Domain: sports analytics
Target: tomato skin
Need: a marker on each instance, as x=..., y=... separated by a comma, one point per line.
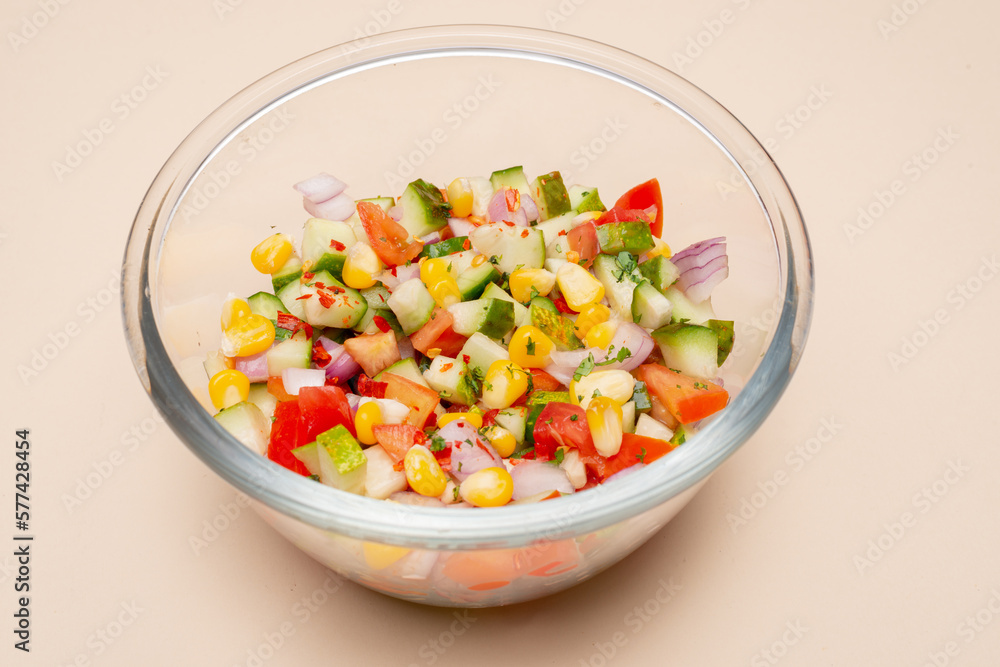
x=688, y=399
x=583, y=240
x=387, y=237
x=542, y=381
x=631, y=453
x=642, y=197
x=561, y=424
x=421, y=400
x=285, y=436
x=321, y=409
x=437, y=333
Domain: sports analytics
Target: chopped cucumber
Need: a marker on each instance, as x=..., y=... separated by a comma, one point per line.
x=482, y=192
x=295, y=352
x=640, y=396
x=309, y=456
x=381, y=477
x=332, y=304
x=325, y=244
x=424, y=208
x=546, y=397
x=550, y=194
x=482, y=352
x=649, y=307
x=446, y=247
x=542, y=302
x=406, y=368
x=266, y=304
x=521, y=316
x=491, y=317
x=724, y=330
x=628, y=417
x=367, y=322
x=512, y=177
x=618, y=285
x=342, y=463
x=247, y=423
x=583, y=199
x=510, y=248
x=558, y=328
x=660, y=271
x=689, y=348
x=472, y=276
x=450, y=378
x=513, y=419
x=412, y=304
x=634, y=237
x=289, y=272
x=555, y=229
x=262, y=398
x=289, y=297
x=687, y=311
x=377, y=296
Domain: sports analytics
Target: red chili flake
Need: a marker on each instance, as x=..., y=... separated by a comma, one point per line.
x=308, y=276
x=291, y=323
x=561, y=305
x=524, y=234
x=466, y=244
x=325, y=298
x=337, y=245
x=319, y=355
x=371, y=388
x=304, y=296
x=337, y=290
x=513, y=199
x=393, y=270
x=562, y=232
x=382, y=325
x=466, y=358
x=446, y=367
x=508, y=223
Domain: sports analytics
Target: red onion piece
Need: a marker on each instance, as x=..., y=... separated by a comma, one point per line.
x=696, y=248
x=460, y=226
x=294, y=379
x=396, y=213
x=530, y=208
x=338, y=208
x=320, y=187
x=254, y=367
x=342, y=365
x=468, y=451
x=394, y=277
x=531, y=477
x=406, y=350
x=354, y=401
x=497, y=210
x=562, y=364
x=702, y=266
x=633, y=338
x=433, y=237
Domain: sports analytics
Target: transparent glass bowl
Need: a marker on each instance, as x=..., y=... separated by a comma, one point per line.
x=436, y=103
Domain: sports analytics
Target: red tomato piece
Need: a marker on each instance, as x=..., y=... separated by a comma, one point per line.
x=583, y=240
x=421, y=400
x=437, y=333
x=375, y=352
x=542, y=381
x=562, y=424
x=276, y=388
x=622, y=215
x=688, y=399
x=636, y=449
x=387, y=237
x=396, y=439
x=285, y=436
x=321, y=409
x=642, y=197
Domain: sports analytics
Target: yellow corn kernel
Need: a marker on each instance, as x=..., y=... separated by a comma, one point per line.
x=460, y=198
x=589, y=317
x=530, y=347
x=572, y=256
x=445, y=292
x=504, y=383
x=525, y=284
x=361, y=266
x=615, y=384
x=604, y=417
x=247, y=336
x=227, y=388
x=423, y=472
x=380, y=556
x=234, y=310
x=489, y=487
x=659, y=248
x=475, y=419
x=478, y=261
x=502, y=440
x=433, y=270
x=600, y=335
x=368, y=415
x=271, y=254
x=578, y=286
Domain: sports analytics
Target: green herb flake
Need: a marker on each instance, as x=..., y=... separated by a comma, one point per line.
x=584, y=369
x=641, y=456
x=559, y=456
x=437, y=443
x=573, y=418
x=530, y=346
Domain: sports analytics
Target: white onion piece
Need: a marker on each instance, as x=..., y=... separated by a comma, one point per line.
x=468, y=451
x=254, y=367
x=625, y=472
x=633, y=338
x=392, y=411
x=563, y=363
x=338, y=208
x=396, y=212
x=433, y=237
x=460, y=226
x=406, y=350
x=532, y=477
x=396, y=276
x=320, y=187
x=702, y=266
x=354, y=401
x=294, y=379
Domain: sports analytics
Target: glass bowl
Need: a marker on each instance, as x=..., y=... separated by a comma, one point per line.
x=436, y=103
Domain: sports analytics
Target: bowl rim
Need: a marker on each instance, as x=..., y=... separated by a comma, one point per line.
x=463, y=528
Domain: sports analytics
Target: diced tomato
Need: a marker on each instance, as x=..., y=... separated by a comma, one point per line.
x=371, y=388
x=636, y=449
x=561, y=304
x=285, y=436
x=688, y=399
x=583, y=240
x=396, y=439
x=542, y=381
x=437, y=333
x=642, y=197
x=617, y=214
x=387, y=237
x=490, y=417
x=375, y=352
x=276, y=388
x=561, y=424
x=321, y=409
x=420, y=399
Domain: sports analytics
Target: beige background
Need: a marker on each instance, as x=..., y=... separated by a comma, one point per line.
x=880, y=547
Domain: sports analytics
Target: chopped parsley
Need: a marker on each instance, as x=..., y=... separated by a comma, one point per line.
x=437, y=443
x=559, y=456
x=573, y=418
x=534, y=292
x=626, y=265
x=641, y=456
x=475, y=378
x=530, y=345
